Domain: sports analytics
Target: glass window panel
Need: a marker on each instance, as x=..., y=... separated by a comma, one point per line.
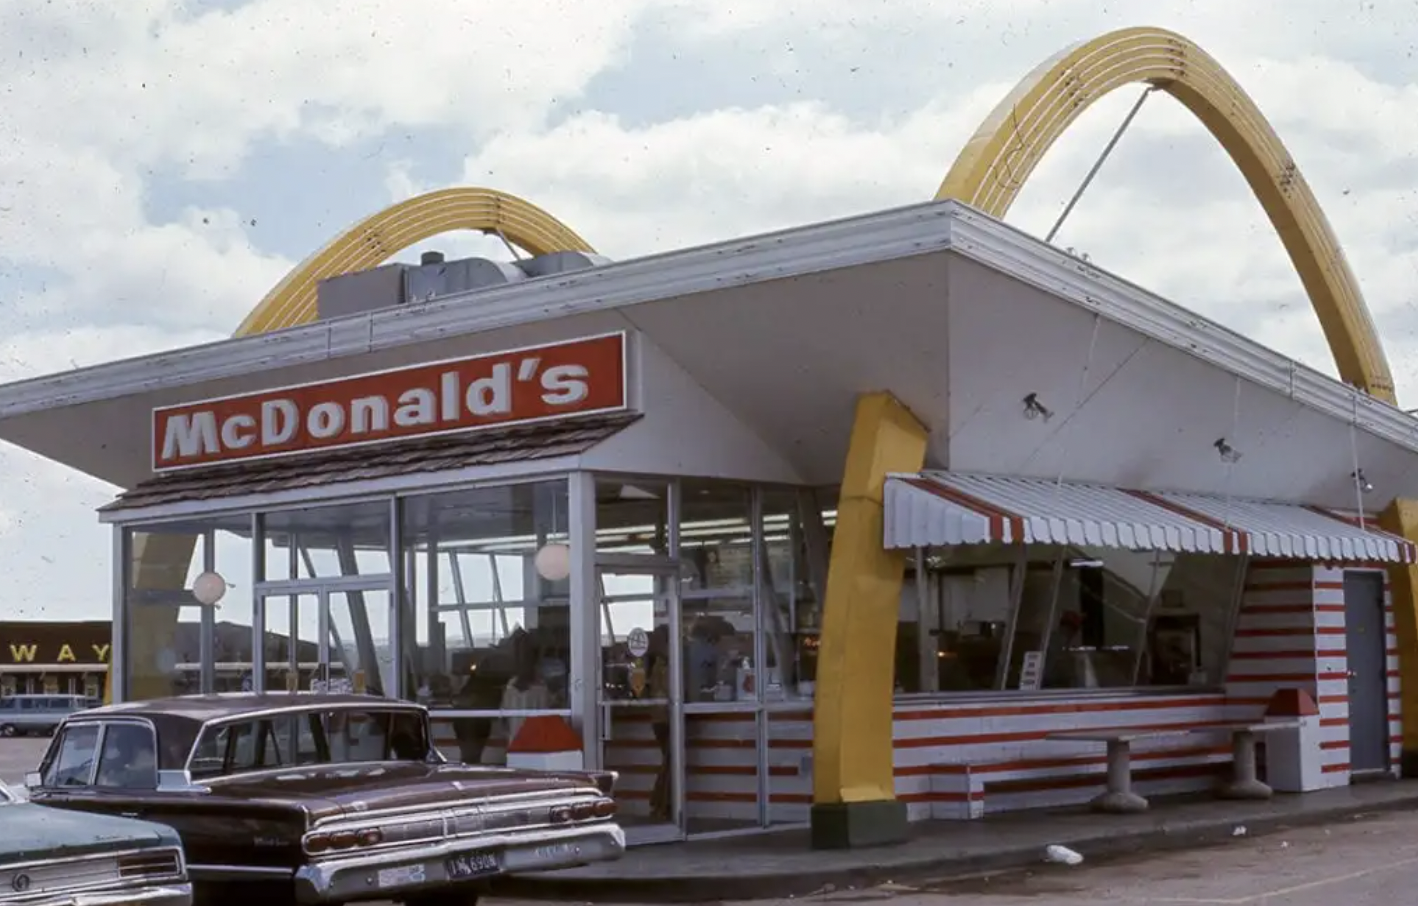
x=718, y=650
x=164, y=620
x=1087, y=618
x=492, y=624
x=1190, y=627
x=324, y=541
x=715, y=538
x=632, y=516
x=359, y=646
x=73, y=764
x=792, y=601
x=129, y=758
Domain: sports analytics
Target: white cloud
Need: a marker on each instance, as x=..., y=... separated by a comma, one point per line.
x=724, y=173
x=159, y=83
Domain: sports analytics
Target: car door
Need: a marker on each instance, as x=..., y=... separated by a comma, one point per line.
x=101, y=766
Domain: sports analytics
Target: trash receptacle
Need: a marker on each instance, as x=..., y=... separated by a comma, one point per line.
x=1293, y=756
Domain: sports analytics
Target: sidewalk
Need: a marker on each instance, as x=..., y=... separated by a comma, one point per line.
x=780, y=864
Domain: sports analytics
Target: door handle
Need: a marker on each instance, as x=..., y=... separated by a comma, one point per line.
x=1353, y=674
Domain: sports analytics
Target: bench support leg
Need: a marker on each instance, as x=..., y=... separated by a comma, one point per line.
x=1119, y=799
x=1244, y=783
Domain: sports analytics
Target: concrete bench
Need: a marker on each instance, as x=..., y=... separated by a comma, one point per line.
x=1245, y=784
x=1119, y=798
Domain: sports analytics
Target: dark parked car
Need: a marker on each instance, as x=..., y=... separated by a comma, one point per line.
x=50, y=857
x=323, y=798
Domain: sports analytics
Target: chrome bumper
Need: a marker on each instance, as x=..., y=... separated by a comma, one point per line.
x=159, y=895
x=397, y=873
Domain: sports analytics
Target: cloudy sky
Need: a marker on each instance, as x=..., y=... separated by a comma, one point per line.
x=165, y=162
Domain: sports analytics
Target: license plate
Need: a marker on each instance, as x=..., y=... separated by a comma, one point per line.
x=402, y=876
x=472, y=865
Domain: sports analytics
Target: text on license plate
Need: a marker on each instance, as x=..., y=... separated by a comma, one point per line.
x=402, y=876
x=472, y=865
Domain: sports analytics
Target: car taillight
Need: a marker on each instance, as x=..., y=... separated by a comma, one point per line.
x=583, y=811
x=371, y=837
x=343, y=839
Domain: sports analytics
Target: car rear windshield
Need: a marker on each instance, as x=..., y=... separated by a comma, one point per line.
x=337, y=736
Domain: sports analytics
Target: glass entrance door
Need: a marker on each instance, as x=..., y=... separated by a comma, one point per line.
x=334, y=638
x=641, y=728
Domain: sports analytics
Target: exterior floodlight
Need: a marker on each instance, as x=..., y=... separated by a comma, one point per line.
x=553, y=562
x=208, y=589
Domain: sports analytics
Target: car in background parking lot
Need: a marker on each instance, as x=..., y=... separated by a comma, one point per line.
x=50, y=857
x=38, y=715
x=317, y=798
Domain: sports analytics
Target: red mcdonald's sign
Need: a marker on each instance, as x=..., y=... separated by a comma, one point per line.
x=557, y=380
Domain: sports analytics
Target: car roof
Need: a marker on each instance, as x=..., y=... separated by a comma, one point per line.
x=217, y=706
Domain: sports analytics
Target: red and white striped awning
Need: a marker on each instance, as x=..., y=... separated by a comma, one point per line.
x=938, y=508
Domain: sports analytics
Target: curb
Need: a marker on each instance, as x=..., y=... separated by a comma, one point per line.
x=732, y=885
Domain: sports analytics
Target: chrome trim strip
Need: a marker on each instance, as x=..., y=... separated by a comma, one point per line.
x=449, y=834
x=316, y=882
x=179, y=894
x=90, y=857
x=238, y=872
x=484, y=805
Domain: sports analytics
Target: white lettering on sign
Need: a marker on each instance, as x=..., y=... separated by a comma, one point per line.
x=188, y=436
x=557, y=380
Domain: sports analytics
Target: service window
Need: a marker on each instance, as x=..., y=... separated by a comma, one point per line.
x=129, y=758
x=72, y=763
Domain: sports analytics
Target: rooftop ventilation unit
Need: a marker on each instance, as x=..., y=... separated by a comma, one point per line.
x=404, y=284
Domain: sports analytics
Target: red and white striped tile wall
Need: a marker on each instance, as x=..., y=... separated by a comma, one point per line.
x=721, y=764
x=963, y=760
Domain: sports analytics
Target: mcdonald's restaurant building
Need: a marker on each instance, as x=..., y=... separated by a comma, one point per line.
x=841, y=524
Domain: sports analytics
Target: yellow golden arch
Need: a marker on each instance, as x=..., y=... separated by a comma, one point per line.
x=852, y=734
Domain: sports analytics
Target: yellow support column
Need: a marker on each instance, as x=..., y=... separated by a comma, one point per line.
x=1401, y=518
x=854, y=796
